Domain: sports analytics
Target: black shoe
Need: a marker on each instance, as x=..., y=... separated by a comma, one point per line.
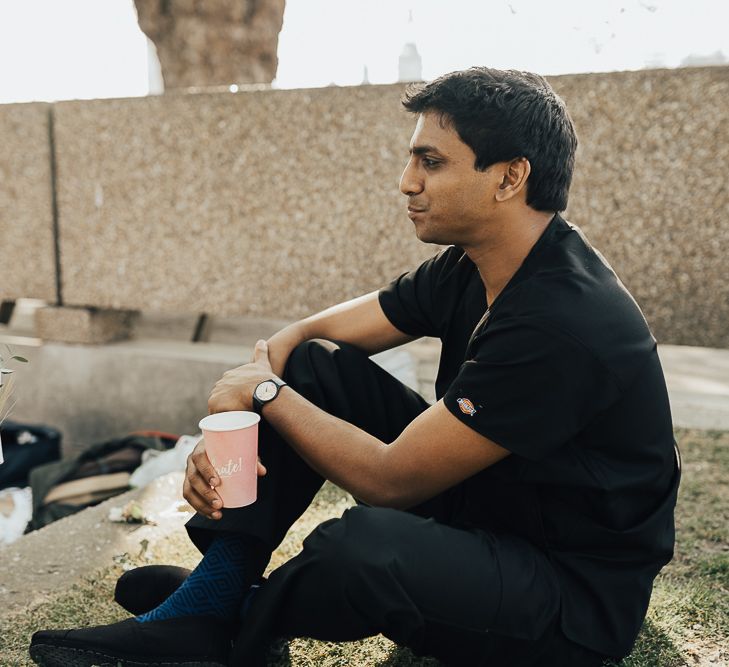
x=190, y=641
x=145, y=588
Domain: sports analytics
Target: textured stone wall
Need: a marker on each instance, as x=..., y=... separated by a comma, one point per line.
x=651, y=192
x=279, y=203
x=273, y=203
x=27, y=255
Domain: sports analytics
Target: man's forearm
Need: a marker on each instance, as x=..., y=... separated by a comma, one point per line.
x=337, y=450
x=282, y=343
x=417, y=465
x=359, y=321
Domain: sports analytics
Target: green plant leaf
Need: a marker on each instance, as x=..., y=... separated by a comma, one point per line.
x=17, y=358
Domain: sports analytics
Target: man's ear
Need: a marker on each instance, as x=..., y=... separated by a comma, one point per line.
x=514, y=179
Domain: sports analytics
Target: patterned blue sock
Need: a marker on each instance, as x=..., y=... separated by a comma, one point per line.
x=218, y=585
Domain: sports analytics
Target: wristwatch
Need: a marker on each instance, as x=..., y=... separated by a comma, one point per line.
x=265, y=392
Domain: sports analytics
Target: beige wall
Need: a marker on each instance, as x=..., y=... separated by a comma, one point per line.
x=271, y=203
x=278, y=203
x=651, y=191
x=27, y=255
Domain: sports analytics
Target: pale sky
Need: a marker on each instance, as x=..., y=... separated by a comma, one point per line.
x=76, y=49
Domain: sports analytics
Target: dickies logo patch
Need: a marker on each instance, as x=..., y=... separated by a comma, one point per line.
x=466, y=406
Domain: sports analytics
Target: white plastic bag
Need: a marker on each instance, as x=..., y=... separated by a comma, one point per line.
x=156, y=463
x=17, y=510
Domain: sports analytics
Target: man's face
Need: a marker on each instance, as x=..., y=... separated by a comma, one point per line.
x=449, y=202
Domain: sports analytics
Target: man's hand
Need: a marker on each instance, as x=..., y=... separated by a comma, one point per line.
x=281, y=344
x=234, y=391
x=201, y=480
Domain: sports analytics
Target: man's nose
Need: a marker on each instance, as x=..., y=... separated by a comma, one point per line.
x=410, y=184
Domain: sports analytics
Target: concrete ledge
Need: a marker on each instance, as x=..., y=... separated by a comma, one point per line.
x=89, y=326
x=56, y=557
x=698, y=386
x=95, y=392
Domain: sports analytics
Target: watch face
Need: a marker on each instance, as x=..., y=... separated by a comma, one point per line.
x=266, y=390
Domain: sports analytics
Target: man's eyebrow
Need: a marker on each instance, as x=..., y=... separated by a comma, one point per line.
x=423, y=149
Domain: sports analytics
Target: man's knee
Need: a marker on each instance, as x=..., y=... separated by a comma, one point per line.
x=306, y=354
x=306, y=368
x=354, y=560
x=317, y=367
x=363, y=540
x=316, y=350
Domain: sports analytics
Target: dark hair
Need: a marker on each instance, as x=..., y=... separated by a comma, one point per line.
x=503, y=115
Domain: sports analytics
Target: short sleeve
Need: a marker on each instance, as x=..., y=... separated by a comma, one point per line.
x=529, y=389
x=411, y=301
x=418, y=303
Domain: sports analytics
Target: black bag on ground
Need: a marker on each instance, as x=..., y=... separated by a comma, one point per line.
x=65, y=487
x=26, y=446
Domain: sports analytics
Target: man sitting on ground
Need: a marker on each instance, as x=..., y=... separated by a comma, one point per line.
x=522, y=518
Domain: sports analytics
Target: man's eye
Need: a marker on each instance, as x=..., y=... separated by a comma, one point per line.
x=428, y=163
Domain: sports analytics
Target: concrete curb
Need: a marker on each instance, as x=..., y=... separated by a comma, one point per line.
x=54, y=558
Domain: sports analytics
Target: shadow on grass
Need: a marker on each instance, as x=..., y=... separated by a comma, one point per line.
x=654, y=648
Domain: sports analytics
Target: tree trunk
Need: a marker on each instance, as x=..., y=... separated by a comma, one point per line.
x=213, y=42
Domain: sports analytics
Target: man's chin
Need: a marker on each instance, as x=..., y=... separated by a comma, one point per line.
x=426, y=235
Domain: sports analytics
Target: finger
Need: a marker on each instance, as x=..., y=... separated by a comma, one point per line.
x=260, y=352
x=261, y=469
x=201, y=486
x=200, y=504
x=204, y=490
x=202, y=464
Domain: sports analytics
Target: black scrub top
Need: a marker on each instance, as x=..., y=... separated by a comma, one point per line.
x=561, y=370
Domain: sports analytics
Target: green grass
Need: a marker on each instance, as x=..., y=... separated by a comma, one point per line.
x=687, y=624
x=688, y=619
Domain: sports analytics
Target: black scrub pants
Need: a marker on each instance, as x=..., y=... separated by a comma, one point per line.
x=421, y=577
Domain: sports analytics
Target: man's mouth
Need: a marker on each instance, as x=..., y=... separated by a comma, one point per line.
x=415, y=213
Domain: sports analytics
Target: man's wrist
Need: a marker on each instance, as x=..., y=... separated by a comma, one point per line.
x=266, y=391
x=250, y=388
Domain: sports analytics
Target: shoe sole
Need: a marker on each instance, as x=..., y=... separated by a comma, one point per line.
x=46, y=655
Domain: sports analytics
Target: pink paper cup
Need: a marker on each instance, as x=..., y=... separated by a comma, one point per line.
x=231, y=443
